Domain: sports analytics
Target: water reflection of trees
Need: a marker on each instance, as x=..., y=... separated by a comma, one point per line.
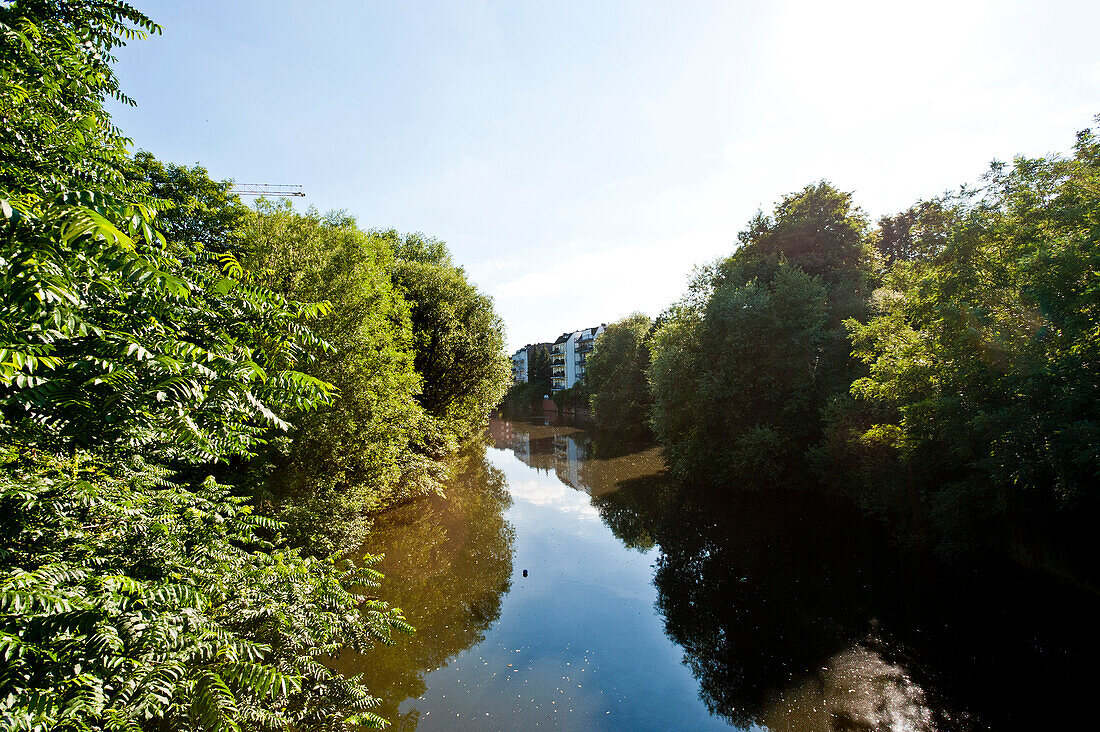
x=795, y=612
x=448, y=563
x=795, y=615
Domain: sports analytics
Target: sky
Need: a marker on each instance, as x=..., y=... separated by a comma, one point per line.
x=580, y=158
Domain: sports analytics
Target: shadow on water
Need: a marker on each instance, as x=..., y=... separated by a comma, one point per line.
x=447, y=564
x=795, y=613
x=791, y=609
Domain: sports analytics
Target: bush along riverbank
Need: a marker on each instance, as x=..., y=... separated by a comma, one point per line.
x=200, y=403
x=940, y=366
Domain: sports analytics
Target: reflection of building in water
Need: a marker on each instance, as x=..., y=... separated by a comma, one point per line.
x=507, y=437
x=501, y=431
x=571, y=455
x=568, y=454
x=521, y=447
x=548, y=449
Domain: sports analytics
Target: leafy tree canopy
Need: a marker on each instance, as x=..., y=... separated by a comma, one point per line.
x=743, y=367
x=616, y=375
x=55, y=77
x=816, y=229
x=459, y=344
x=197, y=209
x=983, y=357
x=129, y=600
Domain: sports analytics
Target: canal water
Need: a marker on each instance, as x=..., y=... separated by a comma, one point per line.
x=566, y=582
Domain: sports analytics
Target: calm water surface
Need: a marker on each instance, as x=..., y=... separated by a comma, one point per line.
x=650, y=606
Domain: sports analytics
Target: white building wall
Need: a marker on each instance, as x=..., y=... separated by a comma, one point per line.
x=587, y=336
x=571, y=360
x=519, y=366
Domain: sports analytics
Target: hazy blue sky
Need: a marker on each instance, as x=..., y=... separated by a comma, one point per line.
x=581, y=157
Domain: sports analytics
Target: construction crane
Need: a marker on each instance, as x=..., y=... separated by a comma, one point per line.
x=277, y=190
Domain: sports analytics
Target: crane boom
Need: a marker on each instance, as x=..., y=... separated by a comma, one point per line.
x=267, y=189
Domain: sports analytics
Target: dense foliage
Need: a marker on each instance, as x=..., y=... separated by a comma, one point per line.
x=457, y=337
x=200, y=209
x=743, y=367
x=942, y=368
x=364, y=450
x=155, y=332
x=616, y=375
x=127, y=603
x=55, y=76
x=416, y=357
x=981, y=404
x=523, y=397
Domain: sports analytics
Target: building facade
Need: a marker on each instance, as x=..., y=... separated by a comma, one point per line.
x=559, y=357
x=586, y=343
x=519, y=366
x=569, y=357
x=524, y=359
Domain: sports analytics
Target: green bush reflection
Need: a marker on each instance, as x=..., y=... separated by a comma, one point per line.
x=448, y=563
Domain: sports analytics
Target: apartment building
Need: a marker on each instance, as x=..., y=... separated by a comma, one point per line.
x=586, y=342
x=522, y=361
x=569, y=356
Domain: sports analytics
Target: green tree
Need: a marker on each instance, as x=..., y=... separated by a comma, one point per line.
x=128, y=603
x=571, y=398
x=109, y=332
x=127, y=599
x=744, y=366
x=816, y=229
x=674, y=352
x=539, y=371
x=756, y=386
x=616, y=375
x=457, y=336
x=919, y=232
x=366, y=449
x=983, y=363
x=56, y=75
x=199, y=209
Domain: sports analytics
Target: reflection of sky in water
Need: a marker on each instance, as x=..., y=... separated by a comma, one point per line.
x=578, y=644
x=782, y=612
x=548, y=492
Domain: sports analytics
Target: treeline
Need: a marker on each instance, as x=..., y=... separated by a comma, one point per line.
x=199, y=403
x=942, y=366
x=413, y=350
x=524, y=396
